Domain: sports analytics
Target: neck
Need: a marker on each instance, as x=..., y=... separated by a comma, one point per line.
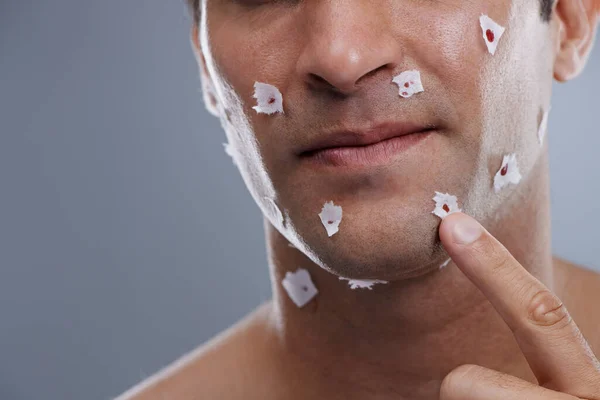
x=402, y=338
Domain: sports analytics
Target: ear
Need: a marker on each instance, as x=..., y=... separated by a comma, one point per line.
x=577, y=23
x=208, y=89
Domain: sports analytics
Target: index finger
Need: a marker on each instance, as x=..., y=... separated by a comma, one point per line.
x=555, y=349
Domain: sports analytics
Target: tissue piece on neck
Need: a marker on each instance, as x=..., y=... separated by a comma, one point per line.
x=331, y=216
x=543, y=126
x=409, y=83
x=492, y=32
x=445, y=204
x=362, y=284
x=268, y=98
x=508, y=173
x=299, y=287
x=445, y=263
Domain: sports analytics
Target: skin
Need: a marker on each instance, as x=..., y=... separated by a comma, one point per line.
x=411, y=338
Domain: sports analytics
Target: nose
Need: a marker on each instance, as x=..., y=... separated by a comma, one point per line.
x=348, y=41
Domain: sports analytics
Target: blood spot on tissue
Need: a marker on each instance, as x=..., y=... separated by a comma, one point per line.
x=331, y=216
x=407, y=85
x=271, y=100
x=504, y=170
x=445, y=204
x=299, y=287
x=404, y=94
x=490, y=35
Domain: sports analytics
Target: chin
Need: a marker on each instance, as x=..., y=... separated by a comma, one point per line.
x=385, y=243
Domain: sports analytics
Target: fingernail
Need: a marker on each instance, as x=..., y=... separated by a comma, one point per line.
x=466, y=230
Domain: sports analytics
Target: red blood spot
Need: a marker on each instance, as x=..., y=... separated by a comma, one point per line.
x=406, y=84
x=404, y=94
x=504, y=170
x=490, y=35
x=271, y=100
x=330, y=222
x=446, y=208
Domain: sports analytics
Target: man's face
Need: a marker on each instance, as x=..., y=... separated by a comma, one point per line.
x=334, y=61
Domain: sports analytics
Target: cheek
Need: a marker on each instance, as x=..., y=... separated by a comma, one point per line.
x=451, y=50
x=454, y=42
x=514, y=84
x=245, y=51
x=231, y=78
x=243, y=55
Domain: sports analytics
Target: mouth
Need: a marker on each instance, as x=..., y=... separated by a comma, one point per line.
x=371, y=147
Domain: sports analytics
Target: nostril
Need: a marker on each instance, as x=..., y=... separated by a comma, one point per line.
x=320, y=82
x=373, y=72
x=322, y=85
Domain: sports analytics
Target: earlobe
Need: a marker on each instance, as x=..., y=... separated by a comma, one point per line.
x=567, y=63
x=577, y=21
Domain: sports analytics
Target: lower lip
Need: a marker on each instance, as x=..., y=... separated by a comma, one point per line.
x=374, y=154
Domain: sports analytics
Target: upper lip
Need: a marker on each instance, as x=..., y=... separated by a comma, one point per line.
x=363, y=137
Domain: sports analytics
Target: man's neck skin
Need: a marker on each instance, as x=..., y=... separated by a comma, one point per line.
x=402, y=338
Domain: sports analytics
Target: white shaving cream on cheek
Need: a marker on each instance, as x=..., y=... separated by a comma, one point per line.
x=511, y=94
x=543, y=126
x=249, y=98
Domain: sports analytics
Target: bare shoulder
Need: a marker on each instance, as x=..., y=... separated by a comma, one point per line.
x=581, y=295
x=228, y=366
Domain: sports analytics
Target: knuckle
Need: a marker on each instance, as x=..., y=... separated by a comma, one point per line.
x=546, y=309
x=458, y=381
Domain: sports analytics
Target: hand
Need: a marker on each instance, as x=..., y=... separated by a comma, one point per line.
x=555, y=349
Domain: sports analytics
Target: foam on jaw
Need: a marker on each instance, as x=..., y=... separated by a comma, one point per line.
x=269, y=99
x=508, y=173
x=409, y=83
x=210, y=98
x=299, y=287
x=274, y=212
x=445, y=263
x=362, y=283
x=543, y=126
x=230, y=152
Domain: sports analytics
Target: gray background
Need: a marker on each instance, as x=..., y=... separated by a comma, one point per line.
x=126, y=235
